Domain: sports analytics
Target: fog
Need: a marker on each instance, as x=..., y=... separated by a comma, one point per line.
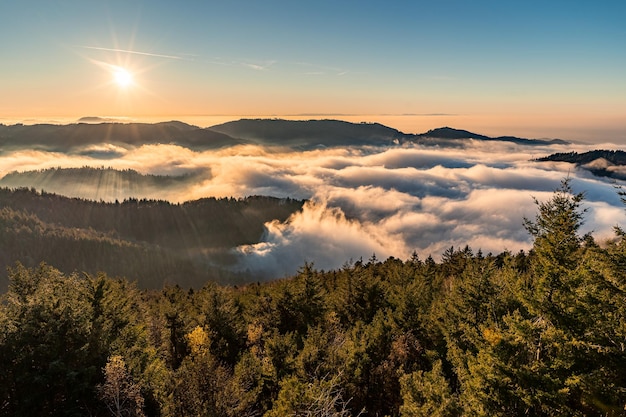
x=366, y=201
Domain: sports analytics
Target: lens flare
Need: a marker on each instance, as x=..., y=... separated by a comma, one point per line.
x=123, y=78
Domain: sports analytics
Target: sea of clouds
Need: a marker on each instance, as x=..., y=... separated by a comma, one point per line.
x=388, y=201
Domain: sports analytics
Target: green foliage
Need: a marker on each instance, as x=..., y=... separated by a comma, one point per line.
x=44, y=349
x=221, y=314
x=151, y=242
x=540, y=334
x=556, y=246
x=428, y=394
x=320, y=398
x=200, y=380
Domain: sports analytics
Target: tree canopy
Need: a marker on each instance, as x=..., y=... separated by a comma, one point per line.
x=541, y=333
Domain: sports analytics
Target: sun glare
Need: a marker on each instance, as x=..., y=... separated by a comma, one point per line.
x=122, y=77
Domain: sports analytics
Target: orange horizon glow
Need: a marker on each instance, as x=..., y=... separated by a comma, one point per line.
x=375, y=64
x=127, y=89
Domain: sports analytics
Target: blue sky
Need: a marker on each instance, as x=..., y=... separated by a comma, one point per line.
x=551, y=67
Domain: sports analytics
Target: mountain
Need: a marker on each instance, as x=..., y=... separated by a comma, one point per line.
x=331, y=133
x=307, y=134
x=97, y=184
x=68, y=137
x=457, y=134
x=83, y=138
x=603, y=163
x=151, y=241
x=450, y=133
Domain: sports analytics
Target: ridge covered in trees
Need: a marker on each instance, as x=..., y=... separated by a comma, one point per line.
x=540, y=333
x=150, y=241
x=106, y=184
x=599, y=162
x=616, y=157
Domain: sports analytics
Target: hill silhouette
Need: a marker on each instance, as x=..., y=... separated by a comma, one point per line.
x=310, y=133
x=66, y=137
x=298, y=135
x=451, y=133
x=332, y=133
x=604, y=163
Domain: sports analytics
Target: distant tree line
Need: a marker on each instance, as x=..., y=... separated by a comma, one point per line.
x=541, y=333
x=615, y=157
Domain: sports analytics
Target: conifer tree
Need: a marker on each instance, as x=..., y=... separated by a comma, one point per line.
x=556, y=249
x=428, y=394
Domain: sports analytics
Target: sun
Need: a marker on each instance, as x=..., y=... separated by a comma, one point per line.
x=122, y=77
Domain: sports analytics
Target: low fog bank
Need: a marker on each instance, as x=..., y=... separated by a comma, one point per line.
x=363, y=201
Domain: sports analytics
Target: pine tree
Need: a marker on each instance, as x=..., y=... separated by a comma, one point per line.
x=428, y=394
x=556, y=249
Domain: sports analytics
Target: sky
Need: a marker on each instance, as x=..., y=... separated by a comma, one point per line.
x=533, y=68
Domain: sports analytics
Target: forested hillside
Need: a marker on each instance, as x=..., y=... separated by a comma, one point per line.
x=604, y=163
x=97, y=184
x=152, y=242
x=614, y=157
x=527, y=334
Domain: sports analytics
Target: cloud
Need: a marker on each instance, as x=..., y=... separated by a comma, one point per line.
x=318, y=234
x=104, y=151
x=260, y=67
x=127, y=51
x=100, y=119
x=363, y=201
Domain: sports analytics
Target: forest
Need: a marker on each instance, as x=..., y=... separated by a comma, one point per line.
x=537, y=333
x=105, y=184
x=153, y=242
x=615, y=157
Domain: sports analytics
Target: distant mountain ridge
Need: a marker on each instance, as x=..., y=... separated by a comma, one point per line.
x=99, y=184
x=298, y=135
x=310, y=133
x=451, y=133
x=330, y=133
x=604, y=163
x=66, y=137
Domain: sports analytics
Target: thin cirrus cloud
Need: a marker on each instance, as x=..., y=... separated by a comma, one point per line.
x=363, y=201
x=256, y=65
x=251, y=64
x=132, y=52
